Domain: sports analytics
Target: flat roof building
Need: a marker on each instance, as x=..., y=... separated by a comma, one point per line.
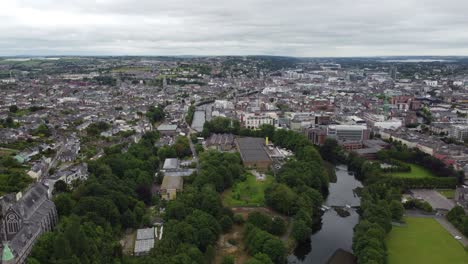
x=167, y=129
x=171, y=168
x=348, y=132
x=171, y=164
x=144, y=241
x=170, y=186
x=222, y=142
x=199, y=119
x=253, y=153
x=459, y=132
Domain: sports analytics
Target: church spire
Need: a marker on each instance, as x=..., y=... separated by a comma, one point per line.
x=7, y=255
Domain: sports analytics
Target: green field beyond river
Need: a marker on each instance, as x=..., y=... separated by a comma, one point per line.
x=424, y=240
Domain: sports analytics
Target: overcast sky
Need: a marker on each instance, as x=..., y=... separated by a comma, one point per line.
x=234, y=27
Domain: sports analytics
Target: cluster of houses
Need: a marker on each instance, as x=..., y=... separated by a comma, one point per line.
x=319, y=99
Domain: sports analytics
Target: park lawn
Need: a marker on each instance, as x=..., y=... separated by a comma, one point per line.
x=27, y=63
x=449, y=194
x=127, y=69
x=416, y=172
x=424, y=240
x=7, y=151
x=247, y=193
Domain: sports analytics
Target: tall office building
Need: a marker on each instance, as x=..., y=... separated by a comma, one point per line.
x=393, y=72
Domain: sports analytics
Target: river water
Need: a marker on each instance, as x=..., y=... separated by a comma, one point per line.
x=336, y=231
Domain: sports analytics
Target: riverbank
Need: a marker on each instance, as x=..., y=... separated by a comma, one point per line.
x=335, y=232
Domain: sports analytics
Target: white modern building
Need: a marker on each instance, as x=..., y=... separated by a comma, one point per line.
x=379, y=121
x=459, y=132
x=431, y=83
x=254, y=121
x=348, y=132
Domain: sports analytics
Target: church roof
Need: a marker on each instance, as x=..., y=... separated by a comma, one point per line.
x=30, y=201
x=32, y=207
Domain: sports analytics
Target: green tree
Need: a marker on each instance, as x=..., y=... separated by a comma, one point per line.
x=13, y=108
x=221, y=125
x=281, y=198
x=228, y=260
x=61, y=247
x=42, y=130
x=33, y=261
x=278, y=226
x=309, y=153
x=331, y=151
x=456, y=213
x=275, y=249
x=155, y=114
x=300, y=231
x=260, y=258
x=226, y=223
x=96, y=128
x=465, y=226
x=128, y=219
x=260, y=220
x=267, y=131
x=397, y=210
x=75, y=236
x=182, y=147
x=166, y=152
x=190, y=114
x=64, y=204
x=239, y=219
x=43, y=249
x=60, y=186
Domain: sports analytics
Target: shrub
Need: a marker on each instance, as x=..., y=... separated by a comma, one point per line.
x=418, y=204
x=238, y=219
x=228, y=260
x=226, y=223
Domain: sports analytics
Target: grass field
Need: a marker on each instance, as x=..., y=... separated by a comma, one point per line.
x=424, y=240
x=7, y=152
x=416, y=172
x=126, y=69
x=247, y=193
x=449, y=194
x=26, y=63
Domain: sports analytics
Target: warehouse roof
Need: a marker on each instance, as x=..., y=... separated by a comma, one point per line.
x=145, y=233
x=167, y=127
x=171, y=164
x=143, y=246
x=252, y=149
x=172, y=182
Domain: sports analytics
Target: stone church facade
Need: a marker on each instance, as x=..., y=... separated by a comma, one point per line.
x=23, y=218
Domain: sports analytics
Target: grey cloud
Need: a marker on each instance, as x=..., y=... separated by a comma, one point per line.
x=221, y=27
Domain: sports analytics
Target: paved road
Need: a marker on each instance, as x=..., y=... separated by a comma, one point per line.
x=434, y=198
x=192, y=146
x=443, y=222
x=452, y=230
x=194, y=152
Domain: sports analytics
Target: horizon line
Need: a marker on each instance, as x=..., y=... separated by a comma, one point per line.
x=251, y=55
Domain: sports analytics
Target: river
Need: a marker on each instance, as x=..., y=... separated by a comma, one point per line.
x=336, y=231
